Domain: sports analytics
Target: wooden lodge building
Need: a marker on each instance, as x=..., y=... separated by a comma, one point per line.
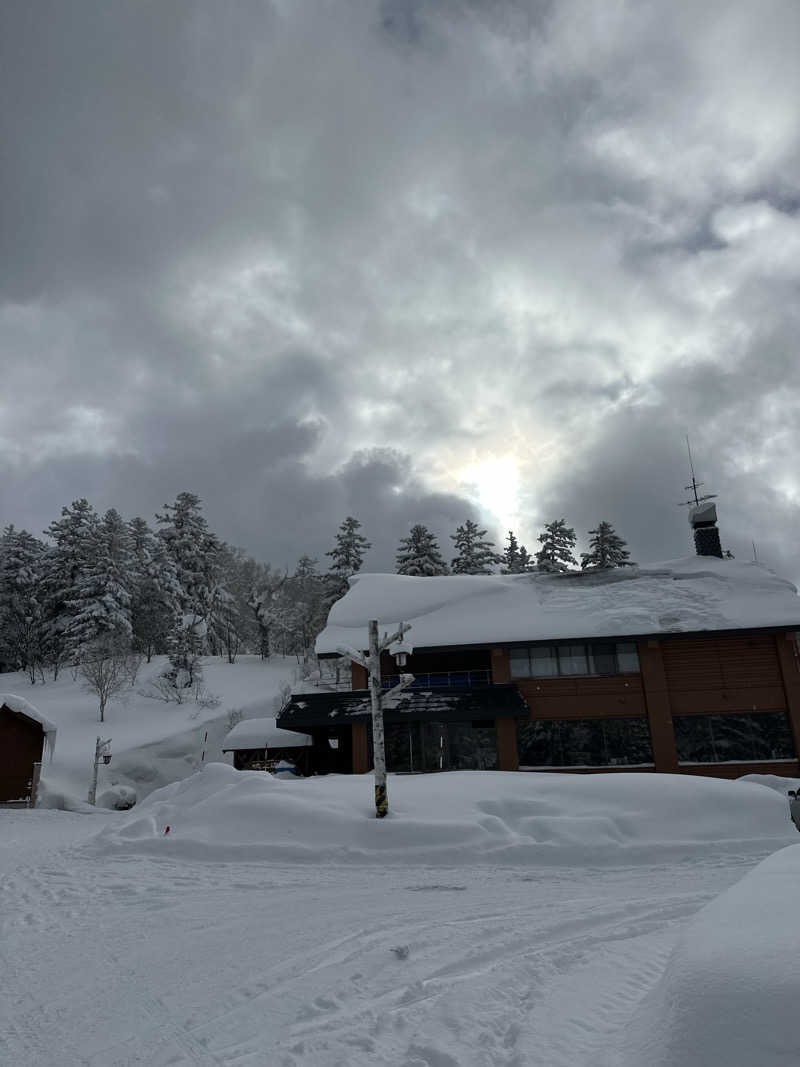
x=689, y=666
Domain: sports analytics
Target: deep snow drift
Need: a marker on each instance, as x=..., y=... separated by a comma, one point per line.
x=731, y=989
x=488, y=817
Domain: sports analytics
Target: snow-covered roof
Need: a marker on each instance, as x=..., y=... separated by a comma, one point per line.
x=24, y=707
x=262, y=733
x=699, y=593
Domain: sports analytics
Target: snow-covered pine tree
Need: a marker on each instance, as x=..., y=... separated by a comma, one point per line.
x=606, y=549
x=516, y=558
x=475, y=555
x=156, y=593
x=347, y=556
x=419, y=554
x=557, y=541
x=195, y=551
x=100, y=603
x=64, y=567
x=21, y=610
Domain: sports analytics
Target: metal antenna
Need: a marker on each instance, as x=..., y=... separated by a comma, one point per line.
x=694, y=485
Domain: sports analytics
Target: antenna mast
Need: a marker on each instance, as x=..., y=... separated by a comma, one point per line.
x=695, y=485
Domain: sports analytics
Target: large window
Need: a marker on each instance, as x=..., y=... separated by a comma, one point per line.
x=441, y=746
x=584, y=742
x=587, y=658
x=744, y=738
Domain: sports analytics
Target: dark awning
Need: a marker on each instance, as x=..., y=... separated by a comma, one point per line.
x=446, y=704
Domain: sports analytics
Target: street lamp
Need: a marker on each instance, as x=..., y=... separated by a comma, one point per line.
x=102, y=751
x=372, y=664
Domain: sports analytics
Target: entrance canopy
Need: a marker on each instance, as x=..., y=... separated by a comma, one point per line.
x=450, y=704
x=262, y=733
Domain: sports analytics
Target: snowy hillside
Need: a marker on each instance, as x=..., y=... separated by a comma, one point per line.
x=153, y=742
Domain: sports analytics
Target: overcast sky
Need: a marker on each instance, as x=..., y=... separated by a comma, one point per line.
x=408, y=261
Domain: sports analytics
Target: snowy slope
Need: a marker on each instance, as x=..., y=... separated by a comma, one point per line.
x=730, y=991
x=153, y=743
x=472, y=817
x=696, y=593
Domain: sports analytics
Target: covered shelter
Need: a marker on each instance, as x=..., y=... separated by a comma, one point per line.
x=260, y=745
x=25, y=735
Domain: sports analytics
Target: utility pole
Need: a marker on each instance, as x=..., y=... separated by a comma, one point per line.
x=102, y=751
x=378, y=698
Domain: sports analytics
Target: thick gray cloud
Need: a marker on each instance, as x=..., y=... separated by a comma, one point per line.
x=406, y=261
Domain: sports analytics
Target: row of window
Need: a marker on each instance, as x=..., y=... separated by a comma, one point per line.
x=743, y=738
x=587, y=658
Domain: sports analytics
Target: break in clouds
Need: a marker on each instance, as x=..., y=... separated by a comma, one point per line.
x=406, y=261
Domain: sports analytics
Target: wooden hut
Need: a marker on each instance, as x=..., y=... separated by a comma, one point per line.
x=259, y=745
x=25, y=734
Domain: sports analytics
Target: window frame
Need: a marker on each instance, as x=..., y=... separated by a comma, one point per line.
x=590, y=649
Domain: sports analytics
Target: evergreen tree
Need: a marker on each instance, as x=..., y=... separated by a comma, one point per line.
x=475, y=555
x=419, y=554
x=516, y=558
x=606, y=549
x=65, y=569
x=557, y=542
x=156, y=592
x=21, y=609
x=347, y=556
x=100, y=602
x=194, y=550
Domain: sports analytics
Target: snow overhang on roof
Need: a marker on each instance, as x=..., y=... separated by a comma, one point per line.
x=24, y=707
x=262, y=733
x=689, y=595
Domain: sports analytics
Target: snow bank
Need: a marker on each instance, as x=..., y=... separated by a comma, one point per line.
x=24, y=707
x=262, y=733
x=696, y=593
x=452, y=818
x=731, y=990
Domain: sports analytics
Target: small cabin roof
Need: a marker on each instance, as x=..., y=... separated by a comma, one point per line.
x=21, y=706
x=262, y=733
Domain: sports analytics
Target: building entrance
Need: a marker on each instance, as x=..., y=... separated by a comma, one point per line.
x=423, y=747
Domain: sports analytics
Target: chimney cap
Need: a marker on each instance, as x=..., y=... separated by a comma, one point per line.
x=702, y=514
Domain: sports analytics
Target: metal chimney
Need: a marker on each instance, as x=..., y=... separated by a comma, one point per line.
x=703, y=521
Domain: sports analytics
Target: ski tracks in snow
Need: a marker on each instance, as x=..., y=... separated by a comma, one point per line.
x=111, y=961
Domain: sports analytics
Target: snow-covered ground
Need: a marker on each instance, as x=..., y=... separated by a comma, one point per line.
x=493, y=919
x=153, y=743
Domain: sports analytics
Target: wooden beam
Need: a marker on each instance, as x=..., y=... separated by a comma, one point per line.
x=659, y=711
x=507, y=758
x=360, y=748
x=501, y=666
x=786, y=647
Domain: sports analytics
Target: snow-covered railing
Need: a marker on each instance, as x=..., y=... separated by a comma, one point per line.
x=442, y=679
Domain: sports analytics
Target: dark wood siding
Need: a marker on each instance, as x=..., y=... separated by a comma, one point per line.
x=21, y=743
x=583, y=698
x=721, y=663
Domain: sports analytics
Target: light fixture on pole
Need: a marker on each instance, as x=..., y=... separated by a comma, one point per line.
x=102, y=751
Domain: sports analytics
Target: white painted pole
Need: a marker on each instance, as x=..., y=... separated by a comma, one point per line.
x=93, y=790
x=378, y=744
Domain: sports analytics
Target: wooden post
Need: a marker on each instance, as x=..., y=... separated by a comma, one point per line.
x=656, y=695
x=501, y=666
x=37, y=774
x=360, y=748
x=507, y=757
x=786, y=646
